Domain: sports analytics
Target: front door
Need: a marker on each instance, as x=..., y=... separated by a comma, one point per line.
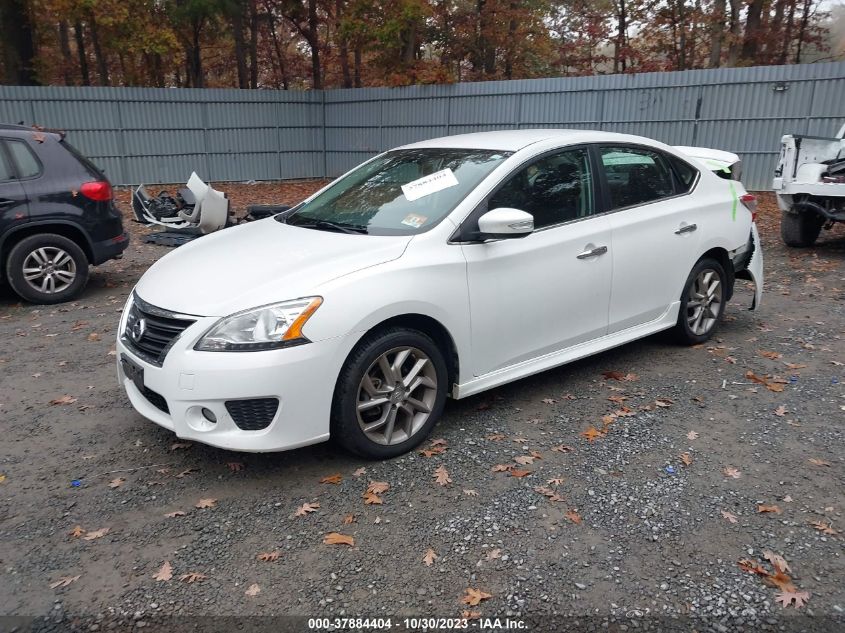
x=550, y=290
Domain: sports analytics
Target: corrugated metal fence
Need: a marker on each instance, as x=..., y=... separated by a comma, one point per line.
x=161, y=135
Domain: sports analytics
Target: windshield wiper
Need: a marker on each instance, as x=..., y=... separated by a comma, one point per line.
x=325, y=225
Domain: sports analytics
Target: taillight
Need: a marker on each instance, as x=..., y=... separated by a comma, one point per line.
x=750, y=202
x=99, y=190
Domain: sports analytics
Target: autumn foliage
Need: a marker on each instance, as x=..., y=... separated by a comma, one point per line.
x=352, y=43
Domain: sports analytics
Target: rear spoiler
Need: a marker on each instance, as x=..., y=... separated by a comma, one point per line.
x=724, y=164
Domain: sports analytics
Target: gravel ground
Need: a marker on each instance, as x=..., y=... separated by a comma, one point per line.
x=622, y=535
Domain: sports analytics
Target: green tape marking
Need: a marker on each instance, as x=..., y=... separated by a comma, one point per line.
x=735, y=200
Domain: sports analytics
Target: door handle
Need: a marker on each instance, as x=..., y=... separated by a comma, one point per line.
x=689, y=228
x=595, y=252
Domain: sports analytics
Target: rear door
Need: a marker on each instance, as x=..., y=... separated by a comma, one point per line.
x=655, y=225
x=13, y=203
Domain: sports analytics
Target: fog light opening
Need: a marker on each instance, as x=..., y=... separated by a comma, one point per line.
x=208, y=414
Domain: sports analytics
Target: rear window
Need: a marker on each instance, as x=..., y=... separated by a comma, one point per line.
x=24, y=158
x=91, y=167
x=6, y=172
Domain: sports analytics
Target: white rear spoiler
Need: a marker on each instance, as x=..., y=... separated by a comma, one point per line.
x=725, y=164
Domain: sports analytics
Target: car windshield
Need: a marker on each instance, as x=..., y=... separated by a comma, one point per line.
x=402, y=192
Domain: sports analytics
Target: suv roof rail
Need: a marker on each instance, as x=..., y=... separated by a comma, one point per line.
x=34, y=128
x=13, y=126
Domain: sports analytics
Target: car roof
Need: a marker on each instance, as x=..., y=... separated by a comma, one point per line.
x=515, y=140
x=11, y=129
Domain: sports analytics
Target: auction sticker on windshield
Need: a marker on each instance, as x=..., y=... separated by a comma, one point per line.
x=414, y=220
x=427, y=185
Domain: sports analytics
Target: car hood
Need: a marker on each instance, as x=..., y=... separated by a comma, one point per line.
x=258, y=263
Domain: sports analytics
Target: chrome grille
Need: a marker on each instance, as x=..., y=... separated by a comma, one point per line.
x=151, y=331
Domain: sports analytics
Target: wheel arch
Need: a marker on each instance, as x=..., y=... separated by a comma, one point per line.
x=65, y=229
x=427, y=325
x=721, y=255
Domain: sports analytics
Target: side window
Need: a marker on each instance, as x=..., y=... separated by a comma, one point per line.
x=6, y=172
x=686, y=173
x=24, y=158
x=554, y=189
x=636, y=175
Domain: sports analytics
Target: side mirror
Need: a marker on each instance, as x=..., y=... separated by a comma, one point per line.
x=503, y=223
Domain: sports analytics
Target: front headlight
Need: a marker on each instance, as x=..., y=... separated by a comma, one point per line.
x=268, y=327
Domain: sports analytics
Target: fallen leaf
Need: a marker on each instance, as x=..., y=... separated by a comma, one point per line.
x=818, y=462
x=441, y=476
x=429, y=557
x=762, y=508
x=333, y=538
x=432, y=451
x=618, y=399
x=730, y=516
x=165, y=573
x=349, y=519
x=180, y=445
x=76, y=532
x=64, y=581
x=556, y=481
x=780, y=411
x=787, y=597
x=824, y=528
x=686, y=458
x=175, y=513
x=520, y=440
x=770, y=355
x=764, y=380
x=548, y=492
x=332, y=479
x=573, y=516
x=253, y=590
x=663, y=402
x=268, y=557
x=206, y=503
x=63, y=400
x=473, y=597
x=562, y=448
x=93, y=337
x=592, y=433
x=192, y=577
x=470, y=493
x=776, y=560
x=549, y=401
x=524, y=459
x=496, y=437
x=96, y=534
x=378, y=487
x=494, y=553
x=372, y=499
x=305, y=508
x=470, y=615
x=117, y=482
x=185, y=472
x=359, y=471
x=730, y=471
x=787, y=499
x=515, y=472
x=235, y=467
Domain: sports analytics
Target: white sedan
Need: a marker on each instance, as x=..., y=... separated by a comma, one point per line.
x=441, y=268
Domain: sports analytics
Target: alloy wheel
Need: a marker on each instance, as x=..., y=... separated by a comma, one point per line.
x=396, y=395
x=704, y=302
x=49, y=269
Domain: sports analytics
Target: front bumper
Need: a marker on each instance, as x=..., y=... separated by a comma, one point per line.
x=302, y=378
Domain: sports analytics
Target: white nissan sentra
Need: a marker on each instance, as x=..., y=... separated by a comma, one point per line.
x=441, y=268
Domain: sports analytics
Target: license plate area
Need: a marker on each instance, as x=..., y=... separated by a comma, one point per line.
x=133, y=371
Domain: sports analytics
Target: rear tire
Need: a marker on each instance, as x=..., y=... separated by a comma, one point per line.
x=800, y=229
x=47, y=269
x=390, y=393
x=702, y=302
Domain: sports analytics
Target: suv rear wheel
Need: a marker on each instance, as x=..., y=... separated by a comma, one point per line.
x=47, y=268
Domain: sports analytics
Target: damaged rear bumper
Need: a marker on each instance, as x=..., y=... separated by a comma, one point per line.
x=748, y=264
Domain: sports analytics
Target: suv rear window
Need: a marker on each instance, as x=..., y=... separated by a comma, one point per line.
x=6, y=172
x=91, y=167
x=28, y=165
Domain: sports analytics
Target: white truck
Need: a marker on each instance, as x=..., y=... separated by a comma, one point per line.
x=810, y=186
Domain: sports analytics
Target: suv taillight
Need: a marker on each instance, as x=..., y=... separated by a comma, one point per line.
x=99, y=190
x=750, y=202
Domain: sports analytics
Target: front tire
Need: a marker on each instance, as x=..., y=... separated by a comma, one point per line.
x=390, y=393
x=702, y=302
x=800, y=229
x=47, y=269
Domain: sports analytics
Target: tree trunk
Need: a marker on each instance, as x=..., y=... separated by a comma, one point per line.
x=753, y=20
x=621, y=37
x=99, y=56
x=196, y=76
x=280, y=56
x=237, y=21
x=253, y=45
x=733, y=50
x=511, y=44
x=314, y=43
x=17, y=43
x=717, y=26
x=787, y=33
x=357, y=61
x=802, y=30
x=79, y=36
x=64, y=47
